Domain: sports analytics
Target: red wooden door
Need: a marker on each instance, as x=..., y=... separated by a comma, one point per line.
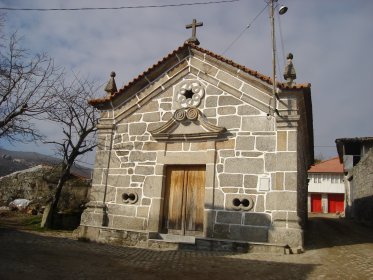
x=184, y=200
x=316, y=203
x=335, y=202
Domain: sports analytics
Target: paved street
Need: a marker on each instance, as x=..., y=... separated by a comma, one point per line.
x=336, y=249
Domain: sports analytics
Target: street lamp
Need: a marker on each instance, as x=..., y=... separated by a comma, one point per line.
x=282, y=10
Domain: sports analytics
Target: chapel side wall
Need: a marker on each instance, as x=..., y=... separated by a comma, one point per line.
x=305, y=157
x=303, y=164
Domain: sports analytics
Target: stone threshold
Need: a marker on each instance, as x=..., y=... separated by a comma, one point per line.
x=171, y=238
x=192, y=243
x=155, y=240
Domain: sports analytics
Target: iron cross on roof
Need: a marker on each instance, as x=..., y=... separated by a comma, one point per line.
x=194, y=26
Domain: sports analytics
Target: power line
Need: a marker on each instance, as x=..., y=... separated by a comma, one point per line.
x=243, y=31
x=119, y=8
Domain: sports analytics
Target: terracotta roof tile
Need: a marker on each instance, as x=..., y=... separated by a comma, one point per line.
x=328, y=166
x=212, y=54
x=250, y=71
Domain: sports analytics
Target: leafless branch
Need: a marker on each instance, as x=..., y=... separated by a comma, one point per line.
x=70, y=110
x=27, y=85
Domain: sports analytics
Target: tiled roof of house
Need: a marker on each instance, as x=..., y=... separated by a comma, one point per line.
x=354, y=140
x=328, y=166
x=182, y=48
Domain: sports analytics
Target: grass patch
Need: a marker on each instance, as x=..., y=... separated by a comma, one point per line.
x=32, y=223
x=22, y=221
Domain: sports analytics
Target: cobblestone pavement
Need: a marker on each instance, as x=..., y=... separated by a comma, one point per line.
x=336, y=249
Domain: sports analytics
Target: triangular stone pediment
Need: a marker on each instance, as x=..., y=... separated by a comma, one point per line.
x=190, y=62
x=187, y=124
x=199, y=62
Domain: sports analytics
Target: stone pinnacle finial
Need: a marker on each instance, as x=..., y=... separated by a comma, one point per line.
x=289, y=73
x=111, y=86
x=194, y=26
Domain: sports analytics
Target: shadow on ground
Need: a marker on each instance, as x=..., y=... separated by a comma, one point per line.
x=325, y=231
x=24, y=254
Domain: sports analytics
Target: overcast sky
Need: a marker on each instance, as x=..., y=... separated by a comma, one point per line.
x=332, y=43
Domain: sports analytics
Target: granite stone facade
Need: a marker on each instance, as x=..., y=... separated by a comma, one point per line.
x=196, y=108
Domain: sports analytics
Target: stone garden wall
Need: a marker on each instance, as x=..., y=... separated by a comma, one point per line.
x=38, y=184
x=363, y=189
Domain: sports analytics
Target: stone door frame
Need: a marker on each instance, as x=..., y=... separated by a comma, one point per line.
x=185, y=172
x=205, y=157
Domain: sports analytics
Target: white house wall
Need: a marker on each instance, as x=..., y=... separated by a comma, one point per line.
x=323, y=183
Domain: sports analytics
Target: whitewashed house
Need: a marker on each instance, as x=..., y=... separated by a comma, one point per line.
x=326, y=188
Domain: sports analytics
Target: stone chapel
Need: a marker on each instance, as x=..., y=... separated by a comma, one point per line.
x=192, y=150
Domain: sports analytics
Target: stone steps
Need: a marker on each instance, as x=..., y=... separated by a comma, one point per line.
x=172, y=238
x=179, y=242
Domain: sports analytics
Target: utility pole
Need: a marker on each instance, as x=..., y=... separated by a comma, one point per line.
x=274, y=94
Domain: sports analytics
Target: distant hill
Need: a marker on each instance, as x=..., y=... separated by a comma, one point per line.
x=12, y=161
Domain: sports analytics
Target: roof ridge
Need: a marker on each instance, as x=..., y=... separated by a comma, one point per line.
x=331, y=165
x=333, y=158
x=247, y=70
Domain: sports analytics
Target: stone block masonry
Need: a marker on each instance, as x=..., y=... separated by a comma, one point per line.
x=363, y=189
x=250, y=158
x=39, y=183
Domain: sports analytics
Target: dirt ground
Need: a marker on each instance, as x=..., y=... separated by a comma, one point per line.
x=335, y=249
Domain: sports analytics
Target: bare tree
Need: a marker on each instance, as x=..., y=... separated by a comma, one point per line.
x=2, y=23
x=77, y=120
x=26, y=87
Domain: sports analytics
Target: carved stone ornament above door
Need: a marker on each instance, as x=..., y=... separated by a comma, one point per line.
x=187, y=124
x=189, y=93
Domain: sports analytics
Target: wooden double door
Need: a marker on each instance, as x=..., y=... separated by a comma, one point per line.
x=184, y=199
